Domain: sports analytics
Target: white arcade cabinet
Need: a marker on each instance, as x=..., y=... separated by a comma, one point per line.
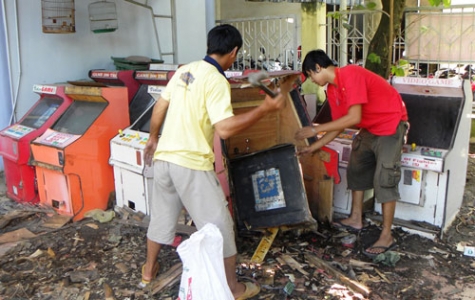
x=434, y=160
x=133, y=178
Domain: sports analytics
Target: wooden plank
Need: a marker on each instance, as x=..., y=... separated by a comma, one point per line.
x=17, y=235
x=264, y=245
x=325, y=203
x=167, y=278
x=56, y=221
x=352, y=284
x=6, y=219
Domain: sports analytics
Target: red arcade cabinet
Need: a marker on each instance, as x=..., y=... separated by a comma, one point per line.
x=15, y=141
x=71, y=157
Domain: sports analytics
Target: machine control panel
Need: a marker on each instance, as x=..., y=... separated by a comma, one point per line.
x=425, y=151
x=132, y=138
x=17, y=131
x=127, y=149
x=425, y=158
x=57, y=139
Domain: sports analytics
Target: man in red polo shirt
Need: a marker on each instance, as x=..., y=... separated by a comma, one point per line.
x=360, y=98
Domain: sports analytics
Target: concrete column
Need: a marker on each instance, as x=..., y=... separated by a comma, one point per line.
x=313, y=37
x=5, y=94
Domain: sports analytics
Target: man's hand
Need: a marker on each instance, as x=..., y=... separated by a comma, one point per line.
x=305, y=132
x=306, y=150
x=149, y=151
x=286, y=84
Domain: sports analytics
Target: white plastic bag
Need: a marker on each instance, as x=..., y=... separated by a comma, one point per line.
x=203, y=276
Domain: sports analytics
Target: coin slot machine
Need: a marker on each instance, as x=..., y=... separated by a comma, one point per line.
x=15, y=141
x=133, y=178
x=71, y=157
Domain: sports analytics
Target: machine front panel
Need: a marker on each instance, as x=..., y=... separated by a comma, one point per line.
x=56, y=191
x=410, y=186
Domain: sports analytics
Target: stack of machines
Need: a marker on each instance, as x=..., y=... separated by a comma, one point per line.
x=15, y=141
x=434, y=160
x=270, y=185
x=71, y=157
x=133, y=178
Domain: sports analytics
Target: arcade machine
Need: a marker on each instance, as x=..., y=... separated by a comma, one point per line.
x=270, y=185
x=71, y=157
x=15, y=141
x=434, y=160
x=133, y=178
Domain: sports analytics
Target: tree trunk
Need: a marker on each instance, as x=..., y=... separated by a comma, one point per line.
x=380, y=44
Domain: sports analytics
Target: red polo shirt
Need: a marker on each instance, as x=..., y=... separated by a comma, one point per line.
x=382, y=106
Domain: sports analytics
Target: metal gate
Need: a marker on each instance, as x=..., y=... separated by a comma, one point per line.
x=268, y=43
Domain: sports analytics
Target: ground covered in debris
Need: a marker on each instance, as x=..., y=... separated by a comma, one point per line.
x=43, y=257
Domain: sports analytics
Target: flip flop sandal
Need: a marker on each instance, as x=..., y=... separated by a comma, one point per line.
x=339, y=225
x=385, y=249
x=251, y=290
x=145, y=282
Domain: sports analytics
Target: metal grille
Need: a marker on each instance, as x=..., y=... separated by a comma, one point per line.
x=432, y=39
x=441, y=43
x=268, y=43
x=349, y=35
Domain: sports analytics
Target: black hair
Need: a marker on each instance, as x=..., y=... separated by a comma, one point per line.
x=313, y=58
x=222, y=39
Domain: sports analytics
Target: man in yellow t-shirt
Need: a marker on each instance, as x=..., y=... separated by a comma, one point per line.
x=197, y=103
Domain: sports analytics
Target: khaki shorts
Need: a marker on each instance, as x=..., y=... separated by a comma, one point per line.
x=200, y=192
x=375, y=162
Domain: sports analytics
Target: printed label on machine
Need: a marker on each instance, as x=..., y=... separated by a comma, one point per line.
x=59, y=139
x=422, y=163
x=268, y=191
x=18, y=131
x=155, y=89
x=45, y=89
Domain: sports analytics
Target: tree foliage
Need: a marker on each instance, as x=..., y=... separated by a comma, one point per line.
x=380, y=46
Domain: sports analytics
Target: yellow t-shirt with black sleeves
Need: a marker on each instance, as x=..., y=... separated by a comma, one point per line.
x=199, y=96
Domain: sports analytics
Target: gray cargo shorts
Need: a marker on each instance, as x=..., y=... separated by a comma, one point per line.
x=375, y=162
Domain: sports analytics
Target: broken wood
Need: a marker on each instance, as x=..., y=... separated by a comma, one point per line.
x=362, y=264
x=17, y=235
x=325, y=202
x=166, y=279
x=356, y=286
x=264, y=245
x=382, y=276
x=294, y=264
x=56, y=221
x=6, y=219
